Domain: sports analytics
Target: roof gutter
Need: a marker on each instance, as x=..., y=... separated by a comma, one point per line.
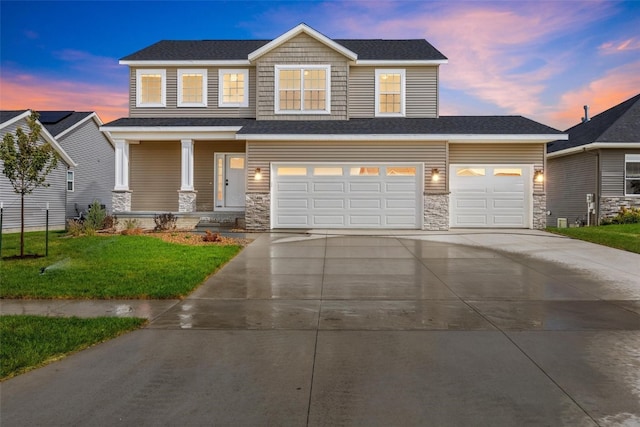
x=593, y=146
x=468, y=138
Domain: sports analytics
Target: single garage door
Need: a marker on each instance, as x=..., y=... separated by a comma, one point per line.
x=490, y=196
x=354, y=195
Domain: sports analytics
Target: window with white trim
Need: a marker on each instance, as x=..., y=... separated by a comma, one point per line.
x=303, y=89
x=70, y=181
x=192, y=88
x=390, y=92
x=233, y=88
x=151, y=88
x=632, y=174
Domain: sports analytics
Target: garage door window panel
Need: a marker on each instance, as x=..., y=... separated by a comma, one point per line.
x=291, y=171
x=470, y=172
x=401, y=171
x=364, y=171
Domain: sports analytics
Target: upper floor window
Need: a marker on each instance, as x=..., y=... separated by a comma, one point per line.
x=302, y=89
x=150, y=88
x=390, y=92
x=233, y=88
x=192, y=88
x=632, y=175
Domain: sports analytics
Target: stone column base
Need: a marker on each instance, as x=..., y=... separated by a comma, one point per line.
x=436, y=212
x=258, y=211
x=121, y=200
x=610, y=206
x=539, y=211
x=187, y=201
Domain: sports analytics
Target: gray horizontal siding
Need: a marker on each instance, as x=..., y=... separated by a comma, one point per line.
x=568, y=180
x=172, y=109
x=613, y=168
x=94, y=175
x=262, y=154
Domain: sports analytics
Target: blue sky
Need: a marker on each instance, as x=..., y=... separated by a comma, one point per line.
x=540, y=59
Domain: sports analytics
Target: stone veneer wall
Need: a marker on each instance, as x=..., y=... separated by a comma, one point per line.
x=258, y=211
x=121, y=201
x=539, y=211
x=187, y=201
x=436, y=212
x=610, y=206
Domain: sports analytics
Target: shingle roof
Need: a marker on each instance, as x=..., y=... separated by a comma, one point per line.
x=447, y=125
x=57, y=122
x=6, y=115
x=221, y=50
x=620, y=123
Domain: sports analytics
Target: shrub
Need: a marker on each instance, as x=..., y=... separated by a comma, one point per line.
x=74, y=227
x=625, y=216
x=165, y=221
x=131, y=227
x=211, y=237
x=95, y=218
x=110, y=222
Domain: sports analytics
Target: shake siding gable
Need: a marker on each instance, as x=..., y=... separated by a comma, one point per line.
x=94, y=176
x=301, y=50
x=262, y=154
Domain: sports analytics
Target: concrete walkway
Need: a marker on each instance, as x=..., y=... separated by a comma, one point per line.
x=415, y=328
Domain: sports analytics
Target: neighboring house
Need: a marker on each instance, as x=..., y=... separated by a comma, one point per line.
x=602, y=159
x=54, y=196
x=304, y=131
x=78, y=133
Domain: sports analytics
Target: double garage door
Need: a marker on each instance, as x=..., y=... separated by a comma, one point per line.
x=491, y=196
x=354, y=195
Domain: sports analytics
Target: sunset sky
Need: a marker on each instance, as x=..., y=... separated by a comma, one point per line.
x=540, y=59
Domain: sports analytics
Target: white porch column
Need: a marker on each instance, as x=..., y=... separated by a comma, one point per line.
x=122, y=165
x=187, y=165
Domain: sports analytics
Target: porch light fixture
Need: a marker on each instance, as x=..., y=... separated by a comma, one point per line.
x=435, y=175
x=538, y=175
x=258, y=175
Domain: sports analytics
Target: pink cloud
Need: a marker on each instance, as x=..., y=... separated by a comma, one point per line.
x=620, y=46
x=613, y=88
x=24, y=91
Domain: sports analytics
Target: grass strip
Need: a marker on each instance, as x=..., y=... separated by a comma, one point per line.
x=32, y=341
x=620, y=236
x=107, y=267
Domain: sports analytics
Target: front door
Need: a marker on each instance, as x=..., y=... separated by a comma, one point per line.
x=230, y=181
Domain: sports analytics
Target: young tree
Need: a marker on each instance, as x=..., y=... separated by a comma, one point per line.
x=27, y=162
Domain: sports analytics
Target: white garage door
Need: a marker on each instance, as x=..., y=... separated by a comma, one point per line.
x=346, y=195
x=490, y=196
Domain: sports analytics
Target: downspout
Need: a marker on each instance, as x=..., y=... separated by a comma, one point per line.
x=598, y=186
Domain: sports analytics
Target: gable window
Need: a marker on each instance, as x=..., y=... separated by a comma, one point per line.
x=70, y=181
x=303, y=89
x=150, y=88
x=632, y=174
x=390, y=92
x=233, y=88
x=192, y=88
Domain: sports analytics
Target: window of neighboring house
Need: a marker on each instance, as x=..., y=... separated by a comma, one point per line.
x=150, y=85
x=233, y=88
x=70, y=181
x=192, y=88
x=632, y=175
x=303, y=89
x=390, y=92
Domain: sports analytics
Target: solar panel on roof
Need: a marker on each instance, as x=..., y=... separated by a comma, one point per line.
x=51, y=117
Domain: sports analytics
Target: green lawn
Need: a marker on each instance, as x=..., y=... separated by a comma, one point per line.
x=32, y=341
x=621, y=236
x=105, y=267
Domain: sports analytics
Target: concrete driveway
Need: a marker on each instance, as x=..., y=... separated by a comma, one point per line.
x=440, y=329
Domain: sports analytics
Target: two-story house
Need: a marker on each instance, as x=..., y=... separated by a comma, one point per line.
x=305, y=131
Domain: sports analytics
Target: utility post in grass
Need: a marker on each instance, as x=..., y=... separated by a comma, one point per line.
x=27, y=162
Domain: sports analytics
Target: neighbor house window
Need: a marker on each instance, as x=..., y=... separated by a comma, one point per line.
x=70, y=181
x=233, y=88
x=390, y=92
x=303, y=89
x=192, y=88
x=632, y=175
x=150, y=88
